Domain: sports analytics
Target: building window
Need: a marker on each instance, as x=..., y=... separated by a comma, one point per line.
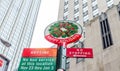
x=76, y=10
x=76, y=2
x=76, y=18
x=86, y=20
x=65, y=3
x=119, y=13
x=84, y=5
x=85, y=13
x=95, y=10
x=105, y=31
x=94, y=7
x=65, y=10
x=95, y=13
x=118, y=7
x=109, y=3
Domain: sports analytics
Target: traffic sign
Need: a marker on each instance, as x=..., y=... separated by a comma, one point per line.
x=39, y=52
x=63, y=31
x=38, y=59
x=79, y=52
x=37, y=64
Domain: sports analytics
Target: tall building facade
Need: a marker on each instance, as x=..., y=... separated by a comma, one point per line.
x=101, y=21
x=17, y=22
x=82, y=11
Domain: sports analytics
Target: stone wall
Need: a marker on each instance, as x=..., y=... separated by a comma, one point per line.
x=104, y=59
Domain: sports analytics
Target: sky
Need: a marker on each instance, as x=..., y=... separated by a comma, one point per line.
x=48, y=13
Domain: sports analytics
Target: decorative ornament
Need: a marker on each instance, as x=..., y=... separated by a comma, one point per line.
x=63, y=32
x=63, y=29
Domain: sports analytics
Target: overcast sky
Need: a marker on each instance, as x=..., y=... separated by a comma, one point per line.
x=48, y=13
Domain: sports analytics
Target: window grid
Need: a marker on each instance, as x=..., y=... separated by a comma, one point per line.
x=25, y=40
x=65, y=3
x=65, y=14
x=85, y=9
x=94, y=3
x=85, y=13
x=13, y=18
x=84, y=1
x=109, y=3
x=85, y=5
x=76, y=11
x=65, y=10
x=106, y=33
x=95, y=11
x=3, y=9
x=76, y=2
x=85, y=19
x=118, y=7
x=95, y=7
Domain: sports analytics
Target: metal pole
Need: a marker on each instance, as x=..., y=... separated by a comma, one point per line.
x=61, y=58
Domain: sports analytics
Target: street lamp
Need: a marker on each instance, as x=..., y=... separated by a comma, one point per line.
x=7, y=44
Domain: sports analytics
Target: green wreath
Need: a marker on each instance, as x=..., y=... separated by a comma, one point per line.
x=63, y=29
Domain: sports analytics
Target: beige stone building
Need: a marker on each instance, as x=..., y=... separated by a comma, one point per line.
x=82, y=11
x=106, y=50
x=102, y=34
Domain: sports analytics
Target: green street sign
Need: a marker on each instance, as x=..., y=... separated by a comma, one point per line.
x=37, y=64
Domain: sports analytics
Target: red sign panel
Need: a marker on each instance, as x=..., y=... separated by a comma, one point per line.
x=79, y=52
x=59, y=41
x=1, y=63
x=39, y=52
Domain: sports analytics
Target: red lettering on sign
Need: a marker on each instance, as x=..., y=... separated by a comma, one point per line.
x=59, y=41
x=79, y=52
x=39, y=52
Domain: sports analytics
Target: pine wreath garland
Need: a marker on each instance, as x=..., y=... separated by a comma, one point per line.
x=63, y=29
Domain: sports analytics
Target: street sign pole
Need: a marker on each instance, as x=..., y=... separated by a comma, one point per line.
x=61, y=58
x=63, y=33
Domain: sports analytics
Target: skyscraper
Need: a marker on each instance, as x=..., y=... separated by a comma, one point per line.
x=17, y=22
